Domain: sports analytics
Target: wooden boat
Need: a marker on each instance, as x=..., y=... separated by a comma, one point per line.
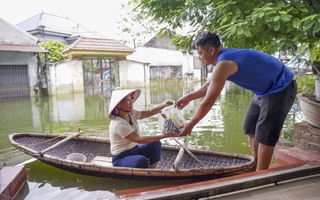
x=54, y=150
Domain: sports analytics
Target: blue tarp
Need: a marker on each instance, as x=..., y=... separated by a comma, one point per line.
x=106, y=74
x=296, y=63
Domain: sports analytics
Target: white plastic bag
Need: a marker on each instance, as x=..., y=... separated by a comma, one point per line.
x=171, y=120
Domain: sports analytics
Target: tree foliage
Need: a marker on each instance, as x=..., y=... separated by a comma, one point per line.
x=135, y=27
x=54, y=49
x=270, y=26
x=306, y=83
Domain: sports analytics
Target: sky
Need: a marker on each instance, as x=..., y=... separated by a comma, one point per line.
x=99, y=15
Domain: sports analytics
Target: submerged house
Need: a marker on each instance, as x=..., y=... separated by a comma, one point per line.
x=93, y=65
x=94, y=60
x=158, y=59
x=98, y=64
x=20, y=69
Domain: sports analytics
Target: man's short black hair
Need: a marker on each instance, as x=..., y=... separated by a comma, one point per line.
x=209, y=38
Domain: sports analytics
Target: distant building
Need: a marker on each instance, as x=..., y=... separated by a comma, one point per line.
x=161, y=43
x=47, y=27
x=93, y=60
x=93, y=63
x=90, y=53
x=20, y=69
x=158, y=59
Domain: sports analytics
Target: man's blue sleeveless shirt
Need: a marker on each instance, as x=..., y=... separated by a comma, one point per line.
x=258, y=72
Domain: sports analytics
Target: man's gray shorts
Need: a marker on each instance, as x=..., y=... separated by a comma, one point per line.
x=266, y=115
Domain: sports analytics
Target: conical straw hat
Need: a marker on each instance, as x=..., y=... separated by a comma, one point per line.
x=118, y=95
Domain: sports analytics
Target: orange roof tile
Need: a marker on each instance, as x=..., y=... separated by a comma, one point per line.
x=98, y=44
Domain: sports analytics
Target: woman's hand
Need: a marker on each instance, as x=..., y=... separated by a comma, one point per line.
x=168, y=103
x=155, y=110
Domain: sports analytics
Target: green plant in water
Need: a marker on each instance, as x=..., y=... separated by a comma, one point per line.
x=60, y=127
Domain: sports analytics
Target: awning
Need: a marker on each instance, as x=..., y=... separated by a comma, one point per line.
x=22, y=48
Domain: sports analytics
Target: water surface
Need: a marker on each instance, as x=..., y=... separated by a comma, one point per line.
x=221, y=129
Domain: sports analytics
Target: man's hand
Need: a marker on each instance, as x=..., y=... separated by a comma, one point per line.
x=173, y=134
x=187, y=128
x=182, y=102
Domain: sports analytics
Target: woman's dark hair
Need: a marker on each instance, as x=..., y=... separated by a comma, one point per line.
x=209, y=38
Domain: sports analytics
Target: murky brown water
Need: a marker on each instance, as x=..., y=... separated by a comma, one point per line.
x=220, y=130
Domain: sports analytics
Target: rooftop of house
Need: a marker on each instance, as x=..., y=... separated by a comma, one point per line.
x=98, y=47
x=21, y=48
x=56, y=24
x=99, y=44
x=15, y=39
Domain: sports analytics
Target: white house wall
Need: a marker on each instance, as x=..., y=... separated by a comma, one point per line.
x=133, y=74
x=156, y=57
x=187, y=66
x=197, y=74
x=77, y=76
x=32, y=70
x=165, y=57
x=67, y=77
x=123, y=74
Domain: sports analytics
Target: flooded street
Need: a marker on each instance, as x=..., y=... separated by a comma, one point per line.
x=220, y=130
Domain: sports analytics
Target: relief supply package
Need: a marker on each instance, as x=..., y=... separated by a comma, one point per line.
x=171, y=120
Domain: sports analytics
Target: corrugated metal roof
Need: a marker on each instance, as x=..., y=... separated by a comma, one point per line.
x=21, y=48
x=55, y=23
x=98, y=44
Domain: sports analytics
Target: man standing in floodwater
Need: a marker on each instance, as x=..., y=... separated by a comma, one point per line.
x=268, y=78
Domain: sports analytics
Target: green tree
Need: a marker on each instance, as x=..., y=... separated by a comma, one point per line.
x=54, y=51
x=270, y=26
x=135, y=27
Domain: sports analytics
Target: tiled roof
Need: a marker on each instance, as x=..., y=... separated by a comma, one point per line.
x=21, y=48
x=98, y=44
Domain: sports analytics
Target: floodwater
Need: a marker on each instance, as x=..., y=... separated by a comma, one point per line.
x=221, y=129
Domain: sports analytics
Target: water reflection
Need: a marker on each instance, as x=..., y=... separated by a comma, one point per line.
x=221, y=129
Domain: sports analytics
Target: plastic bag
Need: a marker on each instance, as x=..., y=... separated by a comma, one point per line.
x=171, y=120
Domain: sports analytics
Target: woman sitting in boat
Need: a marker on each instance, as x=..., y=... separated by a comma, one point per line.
x=128, y=147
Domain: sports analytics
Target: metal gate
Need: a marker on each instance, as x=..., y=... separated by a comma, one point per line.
x=100, y=75
x=14, y=81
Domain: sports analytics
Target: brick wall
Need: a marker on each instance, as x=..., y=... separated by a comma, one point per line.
x=307, y=137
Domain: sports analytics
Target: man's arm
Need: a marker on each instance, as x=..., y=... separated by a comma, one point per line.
x=219, y=76
x=201, y=92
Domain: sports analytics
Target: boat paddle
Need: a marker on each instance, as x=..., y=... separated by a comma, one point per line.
x=60, y=142
x=189, y=152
